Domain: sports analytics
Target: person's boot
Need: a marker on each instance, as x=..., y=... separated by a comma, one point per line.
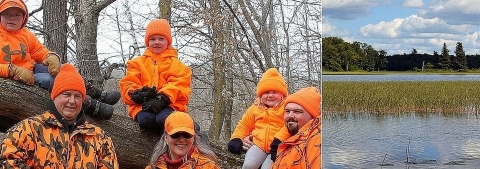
x=110, y=98
x=97, y=109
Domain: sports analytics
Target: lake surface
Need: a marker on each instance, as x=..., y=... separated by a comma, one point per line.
x=434, y=140
x=400, y=77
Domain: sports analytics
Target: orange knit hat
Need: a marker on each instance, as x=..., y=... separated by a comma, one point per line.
x=309, y=98
x=159, y=27
x=272, y=80
x=179, y=121
x=68, y=79
x=5, y=4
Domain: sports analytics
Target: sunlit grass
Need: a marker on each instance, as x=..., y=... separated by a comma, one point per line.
x=387, y=97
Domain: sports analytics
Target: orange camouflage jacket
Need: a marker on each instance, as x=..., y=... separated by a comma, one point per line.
x=303, y=150
x=196, y=161
x=46, y=142
x=262, y=123
x=164, y=71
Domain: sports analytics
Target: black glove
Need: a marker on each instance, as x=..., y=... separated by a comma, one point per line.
x=235, y=146
x=139, y=96
x=156, y=104
x=274, y=148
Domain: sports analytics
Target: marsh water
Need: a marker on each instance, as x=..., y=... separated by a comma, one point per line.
x=433, y=140
x=400, y=140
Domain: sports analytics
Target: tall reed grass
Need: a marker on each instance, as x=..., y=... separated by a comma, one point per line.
x=390, y=97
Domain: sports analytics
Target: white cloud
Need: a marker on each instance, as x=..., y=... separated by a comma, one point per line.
x=453, y=11
x=382, y=29
x=413, y=3
x=331, y=30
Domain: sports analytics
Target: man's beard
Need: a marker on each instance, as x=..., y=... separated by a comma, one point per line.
x=292, y=127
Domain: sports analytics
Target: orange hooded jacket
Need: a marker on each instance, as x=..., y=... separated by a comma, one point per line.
x=164, y=71
x=45, y=142
x=21, y=47
x=263, y=123
x=196, y=161
x=303, y=150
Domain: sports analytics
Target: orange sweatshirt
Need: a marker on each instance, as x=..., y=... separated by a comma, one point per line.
x=263, y=123
x=164, y=71
x=303, y=150
x=21, y=47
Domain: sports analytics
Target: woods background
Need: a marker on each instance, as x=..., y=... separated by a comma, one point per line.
x=228, y=44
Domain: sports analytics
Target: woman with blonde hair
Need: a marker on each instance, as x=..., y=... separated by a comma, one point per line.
x=180, y=147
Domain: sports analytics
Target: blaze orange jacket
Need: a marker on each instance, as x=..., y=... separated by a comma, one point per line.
x=196, y=161
x=21, y=47
x=45, y=142
x=303, y=150
x=164, y=71
x=262, y=122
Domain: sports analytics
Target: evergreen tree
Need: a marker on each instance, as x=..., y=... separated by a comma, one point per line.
x=444, y=59
x=460, y=60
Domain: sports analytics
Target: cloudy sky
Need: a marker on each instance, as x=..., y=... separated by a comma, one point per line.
x=398, y=26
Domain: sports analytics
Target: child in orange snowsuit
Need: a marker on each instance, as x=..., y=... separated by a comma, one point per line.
x=262, y=120
x=156, y=83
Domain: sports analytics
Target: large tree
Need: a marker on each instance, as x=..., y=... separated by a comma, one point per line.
x=460, y=60
x=55, y=27
x=444, y=59
x=86, y=14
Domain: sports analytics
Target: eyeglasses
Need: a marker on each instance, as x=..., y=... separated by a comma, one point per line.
x=177, y=135
x=14, y=16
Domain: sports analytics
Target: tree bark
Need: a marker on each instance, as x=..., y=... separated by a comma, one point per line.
x=86, y=13
x=55, y=27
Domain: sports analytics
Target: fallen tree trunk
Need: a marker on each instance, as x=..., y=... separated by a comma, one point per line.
x=133, y=147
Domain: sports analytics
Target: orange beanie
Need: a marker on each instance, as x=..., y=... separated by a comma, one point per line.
x=159, y=27
x=68, y=79
x=309, y=98
x=272, y=80
x=18, y=4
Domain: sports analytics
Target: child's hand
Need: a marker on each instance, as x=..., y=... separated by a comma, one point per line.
x=22, y=74
x=53, y=62
x=247, y=142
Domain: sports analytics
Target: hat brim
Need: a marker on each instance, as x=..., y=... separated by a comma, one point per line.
x=179, y=129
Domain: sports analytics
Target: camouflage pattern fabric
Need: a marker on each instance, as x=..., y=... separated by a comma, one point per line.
x=303, y=150
x=196, y=161
x=44, y=142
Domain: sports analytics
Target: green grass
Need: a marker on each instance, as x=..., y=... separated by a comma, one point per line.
x=439, y=72
x=388, y=97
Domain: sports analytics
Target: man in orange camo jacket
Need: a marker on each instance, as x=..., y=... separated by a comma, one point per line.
x=303, y=121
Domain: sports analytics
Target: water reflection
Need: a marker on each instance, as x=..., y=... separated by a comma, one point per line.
x=435, y=140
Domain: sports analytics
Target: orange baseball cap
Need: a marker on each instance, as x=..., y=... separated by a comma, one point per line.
x=179, y=121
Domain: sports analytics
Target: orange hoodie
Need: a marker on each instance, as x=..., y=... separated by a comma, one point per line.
x=21, y=47
x=164, y=71
x=303, y=150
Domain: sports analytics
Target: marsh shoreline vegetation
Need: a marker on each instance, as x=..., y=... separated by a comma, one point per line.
x=405, y=96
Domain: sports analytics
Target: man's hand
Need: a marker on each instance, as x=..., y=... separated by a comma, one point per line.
x=52, y=61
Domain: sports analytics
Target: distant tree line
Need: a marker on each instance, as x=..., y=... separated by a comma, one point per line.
x=338, y=55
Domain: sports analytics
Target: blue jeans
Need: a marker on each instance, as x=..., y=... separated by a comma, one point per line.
x=151, y=121
x=43, y=79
